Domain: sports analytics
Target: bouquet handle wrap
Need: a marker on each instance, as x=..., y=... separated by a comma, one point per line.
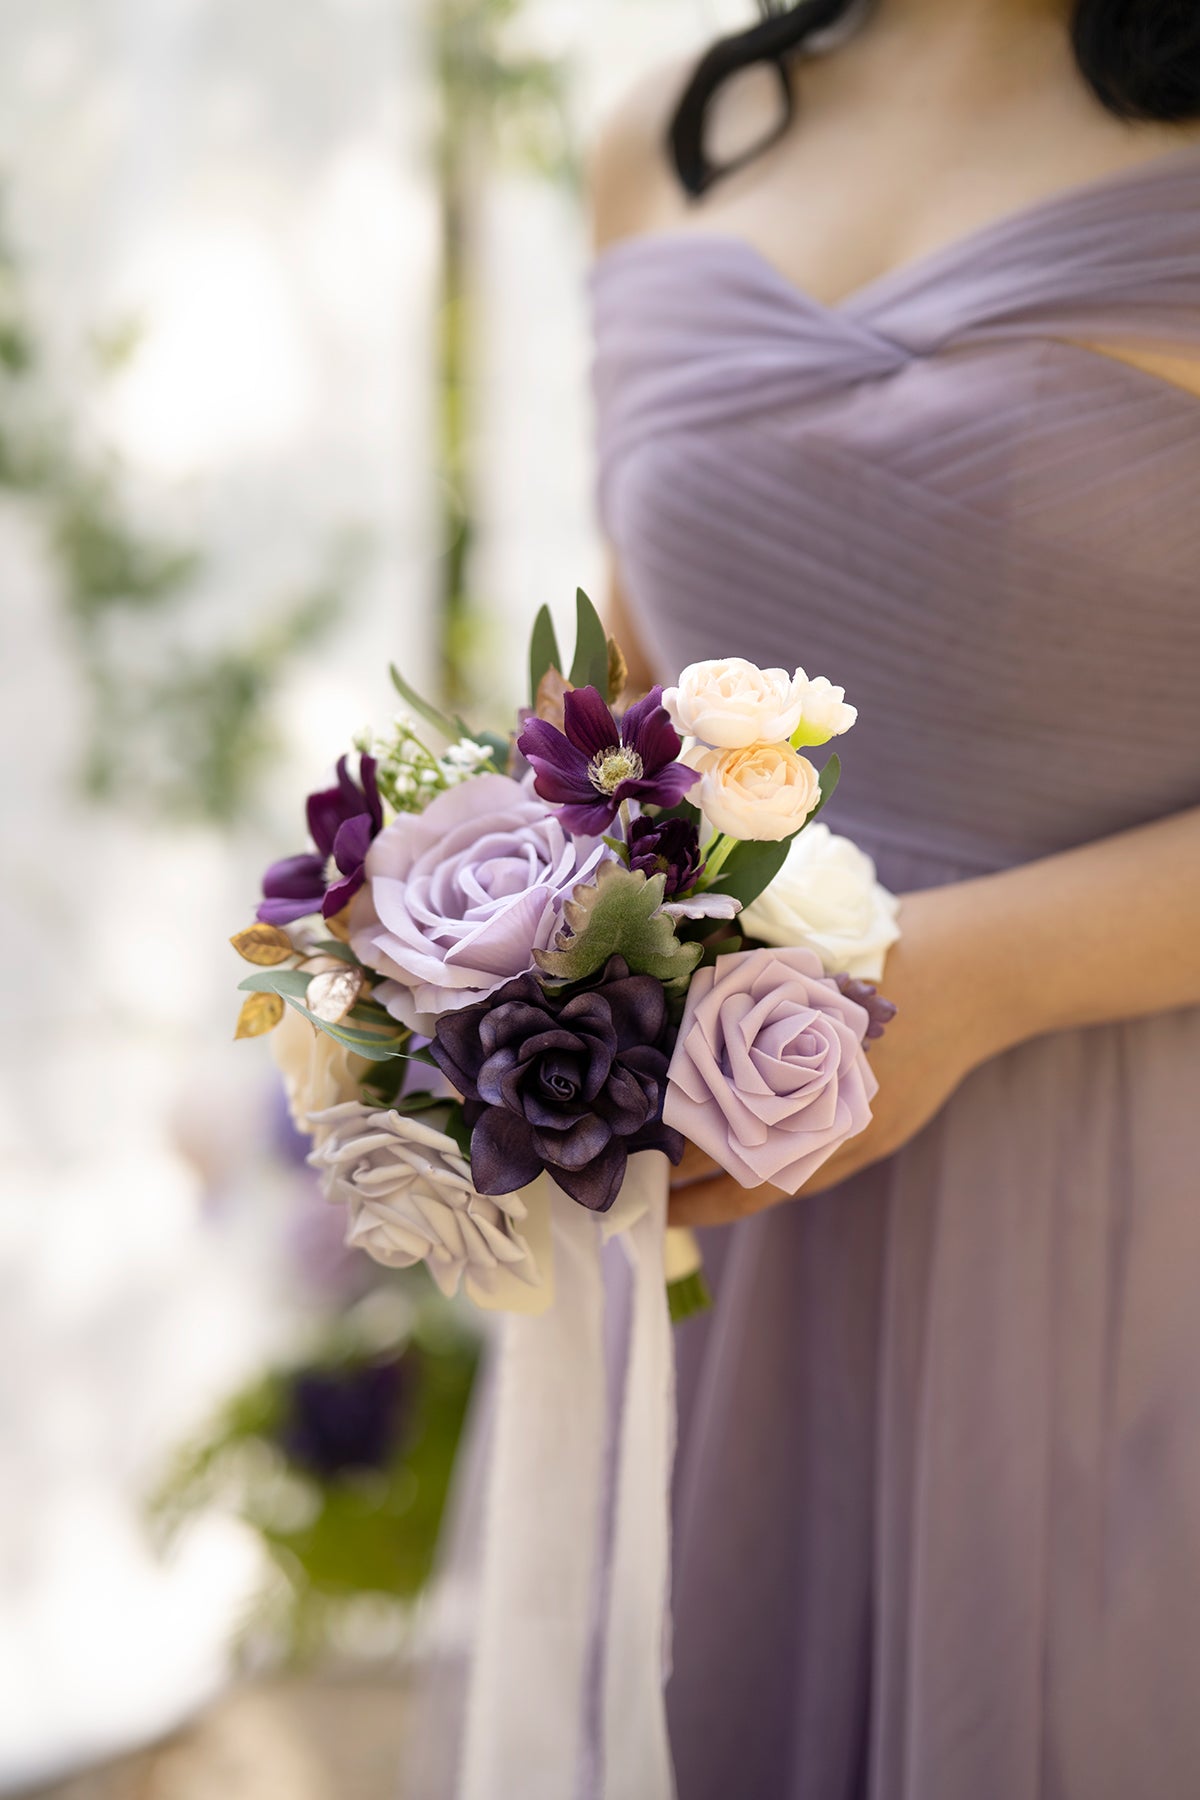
x=554, y=1540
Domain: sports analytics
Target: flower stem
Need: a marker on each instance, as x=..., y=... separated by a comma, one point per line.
x=714, y=860
x=626, y=821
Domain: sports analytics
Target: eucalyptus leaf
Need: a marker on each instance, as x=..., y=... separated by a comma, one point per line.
x=367, y=1044
x=590, y=667
x=291, y=983
x=335, y=947
x=619, y=915
x=544, y=652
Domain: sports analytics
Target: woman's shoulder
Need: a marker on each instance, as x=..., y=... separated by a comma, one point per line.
x=632, y=184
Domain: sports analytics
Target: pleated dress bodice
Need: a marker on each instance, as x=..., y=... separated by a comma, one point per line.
x=940, y=494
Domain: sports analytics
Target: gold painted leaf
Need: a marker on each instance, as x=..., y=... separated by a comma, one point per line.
x=332, y=994
x=552, y=689
x=260, y=1013
x=339, y=926
x=265, y=945
x=618, y=671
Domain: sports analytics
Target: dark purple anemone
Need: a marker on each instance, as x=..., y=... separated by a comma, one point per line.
x=572, y=1084
x=669, y=847
x=342, y=822
x=593, y=765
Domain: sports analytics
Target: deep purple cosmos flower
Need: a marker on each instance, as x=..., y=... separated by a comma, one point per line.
x=571, y=1084
x=590, y=767
x=669, y=847
x=336, y=1420
x=342, y=821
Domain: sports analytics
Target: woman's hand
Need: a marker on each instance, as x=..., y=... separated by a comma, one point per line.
x=945, y=1027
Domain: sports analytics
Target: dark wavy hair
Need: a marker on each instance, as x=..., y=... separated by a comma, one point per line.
x=1141, y=59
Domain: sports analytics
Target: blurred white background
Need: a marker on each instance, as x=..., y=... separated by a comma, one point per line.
x=254, y=186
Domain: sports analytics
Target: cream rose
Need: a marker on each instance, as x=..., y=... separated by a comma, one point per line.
x=731, y=704
x=317, y=1071
x=410, y=1199
x=823, y=712
x=826, y=898
x=763, y=793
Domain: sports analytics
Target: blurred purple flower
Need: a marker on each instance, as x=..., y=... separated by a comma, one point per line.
x=572, y=1084
x=340, y=1419
x=342, y=822
x=880, y=1011
x=593, y=765
x=669, y=847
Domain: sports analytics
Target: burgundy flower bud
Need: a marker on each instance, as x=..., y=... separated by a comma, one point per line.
x=669, y=847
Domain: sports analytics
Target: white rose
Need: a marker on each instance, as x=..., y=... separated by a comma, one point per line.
x=317, y=1071
x=823, y=712
x=408, y=1190
x=826, y=898
x=731, y=703
x=762, y=794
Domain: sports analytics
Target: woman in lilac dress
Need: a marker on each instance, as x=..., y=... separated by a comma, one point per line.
x=911, y=395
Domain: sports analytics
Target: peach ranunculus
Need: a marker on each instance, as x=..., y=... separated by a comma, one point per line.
x=760, y=794
x=730, y=703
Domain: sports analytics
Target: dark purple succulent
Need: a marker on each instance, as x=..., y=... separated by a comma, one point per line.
x=571, y=1083
x=669, y=847
x=340, y=1419
x=342, y=821
x=593, y=765
x=881, y=1012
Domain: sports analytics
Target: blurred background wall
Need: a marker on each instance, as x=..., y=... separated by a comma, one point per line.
x=293, y=380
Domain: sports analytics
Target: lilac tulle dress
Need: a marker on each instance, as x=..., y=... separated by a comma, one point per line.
x=938, y=1507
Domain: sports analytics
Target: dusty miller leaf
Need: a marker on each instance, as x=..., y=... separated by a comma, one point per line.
x=618, y=915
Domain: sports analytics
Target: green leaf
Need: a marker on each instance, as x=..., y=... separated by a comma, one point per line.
x=750, y=868
x=335, y=947
x=830, y=775
x=618, y=915
x=499, y=746
x=440, y=721
x=291, y=983
x=367, y=1044
x=590, y=667
x=456, y=1127
x=687, y=1297
x=543, y=652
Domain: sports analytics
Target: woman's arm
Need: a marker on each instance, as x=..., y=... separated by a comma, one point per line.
x=1107, y=932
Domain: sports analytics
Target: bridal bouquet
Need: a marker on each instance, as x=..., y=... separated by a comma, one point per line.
x=505, y=985
x=503, y=960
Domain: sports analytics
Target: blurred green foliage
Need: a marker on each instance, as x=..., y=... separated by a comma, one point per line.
x=174, y=725
x=333, y=1539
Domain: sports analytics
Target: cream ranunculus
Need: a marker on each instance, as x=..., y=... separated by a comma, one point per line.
x=731, y=703
x=826, y=898
x=410, y=1199
x=761, y=794
x=317, y=1071
x=823, y=712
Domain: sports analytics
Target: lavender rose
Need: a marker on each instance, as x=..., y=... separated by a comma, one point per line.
x=572, y=1084
x=458, y=898
x=769, y=1075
